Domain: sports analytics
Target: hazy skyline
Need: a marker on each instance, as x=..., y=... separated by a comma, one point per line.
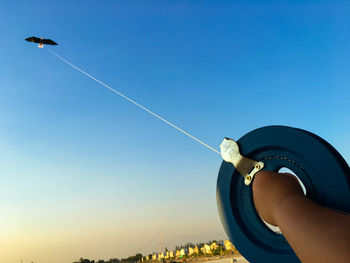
x=86, y=174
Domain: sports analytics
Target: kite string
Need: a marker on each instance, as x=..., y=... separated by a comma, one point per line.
x=132, y=101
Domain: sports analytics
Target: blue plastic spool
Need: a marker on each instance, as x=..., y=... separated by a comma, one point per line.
x=323, y=171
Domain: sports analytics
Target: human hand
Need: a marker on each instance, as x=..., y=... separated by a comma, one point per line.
x=270, y=189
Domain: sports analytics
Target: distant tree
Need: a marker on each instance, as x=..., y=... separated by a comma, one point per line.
x=138, y=256
x=132, y=259
x=114, y=260
x=199, y=245
x=189, y=245
x=216, y=251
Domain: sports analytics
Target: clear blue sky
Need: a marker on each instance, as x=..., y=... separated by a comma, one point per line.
x=83, y=173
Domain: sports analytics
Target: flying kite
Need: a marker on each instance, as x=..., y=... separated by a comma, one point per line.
x=41, y=41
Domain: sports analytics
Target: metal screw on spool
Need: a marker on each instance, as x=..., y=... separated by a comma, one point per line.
x=322, y=170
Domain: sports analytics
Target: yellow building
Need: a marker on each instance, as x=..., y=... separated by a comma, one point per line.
x=182, y=252
x=178, y=253
x=196, y=250
x=206, y=249
x=171, y=254
x=154, y=256
x=190, y=251
x=167, y=255
x=228, y=245
x=214, y=246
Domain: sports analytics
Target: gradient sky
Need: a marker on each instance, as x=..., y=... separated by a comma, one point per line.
x=83, y=173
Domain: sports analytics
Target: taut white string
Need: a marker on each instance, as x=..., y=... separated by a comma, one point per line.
x=132, y=101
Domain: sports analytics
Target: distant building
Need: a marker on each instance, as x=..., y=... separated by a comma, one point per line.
x=167, y=254
x=206, y=249
x=190, y=251
x=178, y=253
x=196, y=250
x=183, y=252
x=154, y=256
x=228, y=245
x=214, y=246
x=171, y=254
